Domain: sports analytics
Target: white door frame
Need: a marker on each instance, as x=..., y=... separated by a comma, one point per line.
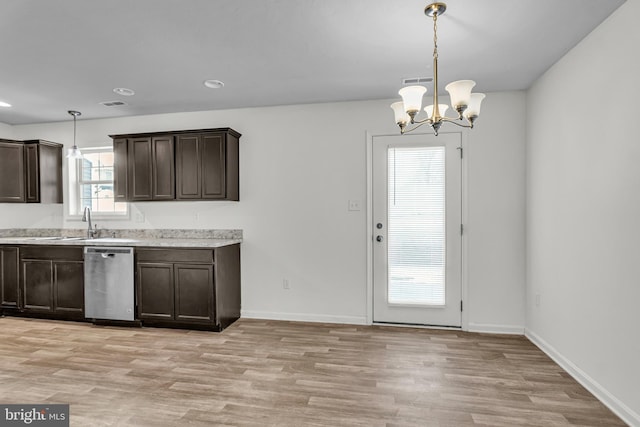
x=370, y=228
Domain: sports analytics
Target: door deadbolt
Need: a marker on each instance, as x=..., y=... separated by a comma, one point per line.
x=379, y=225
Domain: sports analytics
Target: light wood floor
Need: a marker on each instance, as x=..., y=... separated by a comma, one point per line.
x=265, y=373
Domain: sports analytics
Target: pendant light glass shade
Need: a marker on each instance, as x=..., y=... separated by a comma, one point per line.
x=473, y=110
x=460, y=92
x=441, y=107
x=401, y=116
x=74, y=152
x=412, y=98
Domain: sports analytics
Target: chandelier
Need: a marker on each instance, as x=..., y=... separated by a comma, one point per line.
x=466, y=104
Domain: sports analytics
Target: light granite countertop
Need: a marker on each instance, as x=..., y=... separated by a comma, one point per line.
x=162, y=243
x=125, y=238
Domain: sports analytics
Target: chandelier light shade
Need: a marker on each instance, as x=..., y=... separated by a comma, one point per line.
x=465, y=103
x=74, y=152
x=460, y=93
x=442, y=107
x=473, y=110
x=402, y=118
x=412, y=98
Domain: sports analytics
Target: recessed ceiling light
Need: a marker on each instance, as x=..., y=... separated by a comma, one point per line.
x=213, y=84
x=4, y=104
x=124, y=91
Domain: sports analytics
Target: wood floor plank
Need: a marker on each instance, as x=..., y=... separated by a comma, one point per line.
x=268, y=373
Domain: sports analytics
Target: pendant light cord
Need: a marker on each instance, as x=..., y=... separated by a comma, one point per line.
x=74, y=132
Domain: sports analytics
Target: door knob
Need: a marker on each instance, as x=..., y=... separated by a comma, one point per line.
x=379, y=238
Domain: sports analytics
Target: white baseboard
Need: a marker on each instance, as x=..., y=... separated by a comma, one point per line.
x=627, y=414
x=304, y=317
x=496, y=329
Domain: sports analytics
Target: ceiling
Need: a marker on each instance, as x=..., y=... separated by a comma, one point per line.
x=70, y=54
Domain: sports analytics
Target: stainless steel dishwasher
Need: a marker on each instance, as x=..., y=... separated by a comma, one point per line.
x=108, y=283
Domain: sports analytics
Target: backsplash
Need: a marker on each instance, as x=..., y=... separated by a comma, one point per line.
x=126, y=233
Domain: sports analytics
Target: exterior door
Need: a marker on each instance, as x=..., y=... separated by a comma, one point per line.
x=417, y=215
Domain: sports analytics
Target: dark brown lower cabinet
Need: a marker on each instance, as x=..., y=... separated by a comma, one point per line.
x=189, y=287
x=9, y=282
x=155, y=291
x=184, y=288
x=194, y=293
x=68, y=287
x=52, y=281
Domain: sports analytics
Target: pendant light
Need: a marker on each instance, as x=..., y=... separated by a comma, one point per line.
x=465, y=103
x=74, y=152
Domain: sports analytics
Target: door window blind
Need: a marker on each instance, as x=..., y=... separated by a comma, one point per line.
x=416, y=234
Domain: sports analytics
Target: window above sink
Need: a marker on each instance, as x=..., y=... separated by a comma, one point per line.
x=91, y=185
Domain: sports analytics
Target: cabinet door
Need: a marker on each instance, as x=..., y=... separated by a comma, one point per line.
x=9, y=277
x=163, y=168
x=68, y=286
x=50, y=172
x=188, y=170
x=32, y=163
x=155, y=291
x=140, y=169
x=120, y=170
x=213, y=166
x=194, y=293
x=12, y=172
x=37, y=284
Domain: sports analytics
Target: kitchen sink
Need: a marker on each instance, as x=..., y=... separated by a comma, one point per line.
x=112, y=240
x=57, y=238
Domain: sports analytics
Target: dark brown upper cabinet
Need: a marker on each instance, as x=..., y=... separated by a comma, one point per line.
x=150, y=173
x=207, y=166
x=180, y=165
x=30, y=171
x=12, y=172
x=120, y=172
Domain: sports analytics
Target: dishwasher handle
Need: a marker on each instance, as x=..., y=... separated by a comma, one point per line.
x=106, y=252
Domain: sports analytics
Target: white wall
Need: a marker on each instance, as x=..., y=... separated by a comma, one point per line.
x=495, y=224
x=299, y=167
x=6, y=131
x=583, y=206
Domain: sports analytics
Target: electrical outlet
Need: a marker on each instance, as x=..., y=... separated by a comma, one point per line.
x=139, y=217
x=354, y=205
x=285, y=284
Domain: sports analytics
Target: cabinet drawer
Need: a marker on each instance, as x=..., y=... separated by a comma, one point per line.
x=201, y=256
x=52, y=253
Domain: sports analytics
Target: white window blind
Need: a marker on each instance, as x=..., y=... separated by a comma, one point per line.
x=416, y=234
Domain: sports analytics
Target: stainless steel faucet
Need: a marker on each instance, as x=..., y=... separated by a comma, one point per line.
x=86, y=217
